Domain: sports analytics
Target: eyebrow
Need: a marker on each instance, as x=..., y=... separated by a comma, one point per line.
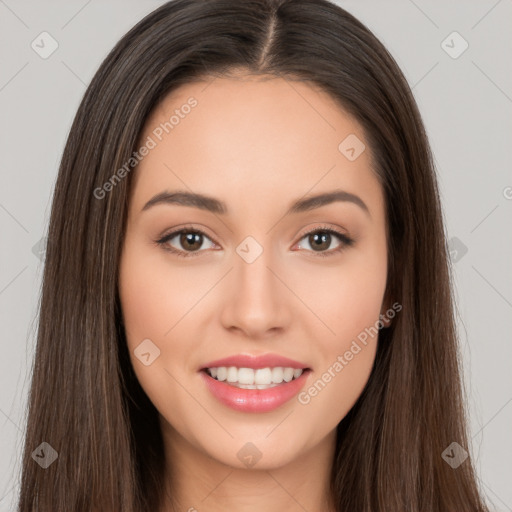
x=203, y=202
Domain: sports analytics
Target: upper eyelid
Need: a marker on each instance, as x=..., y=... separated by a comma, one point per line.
x=174, y=232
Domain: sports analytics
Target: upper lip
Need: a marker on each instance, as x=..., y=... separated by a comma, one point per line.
x=255, y=362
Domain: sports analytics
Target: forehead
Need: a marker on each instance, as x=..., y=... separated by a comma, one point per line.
x=251, y=136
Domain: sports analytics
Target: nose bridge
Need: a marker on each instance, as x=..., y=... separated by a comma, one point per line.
x=253, y=277
x=257, y=302
x=252, y=269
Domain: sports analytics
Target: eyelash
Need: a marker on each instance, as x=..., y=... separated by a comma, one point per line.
x=345, y=240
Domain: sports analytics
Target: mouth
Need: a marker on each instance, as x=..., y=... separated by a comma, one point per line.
x=251, y=390
x=252, y=378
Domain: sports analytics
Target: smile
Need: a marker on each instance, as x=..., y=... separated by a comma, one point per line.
x=262, y=395
x=249, y=378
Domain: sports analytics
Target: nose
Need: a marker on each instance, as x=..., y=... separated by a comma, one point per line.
x=258, y=302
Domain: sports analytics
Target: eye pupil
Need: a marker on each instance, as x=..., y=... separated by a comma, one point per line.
x=320, y=238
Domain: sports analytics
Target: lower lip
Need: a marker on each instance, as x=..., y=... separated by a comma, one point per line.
x=254, y=400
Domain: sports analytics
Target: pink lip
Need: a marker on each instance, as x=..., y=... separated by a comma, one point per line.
x=255, y=362
x=254, y=400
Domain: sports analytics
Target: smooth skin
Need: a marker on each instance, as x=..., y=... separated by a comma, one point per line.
x=258, y=145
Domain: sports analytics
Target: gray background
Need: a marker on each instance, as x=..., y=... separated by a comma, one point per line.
x=466, y=103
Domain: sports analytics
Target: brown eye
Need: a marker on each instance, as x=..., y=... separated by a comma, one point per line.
x=189, y=242
x=320, y=240
x=185, y=242
x=192, y=241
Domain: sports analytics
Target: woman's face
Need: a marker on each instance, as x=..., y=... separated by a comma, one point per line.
x=245, y=278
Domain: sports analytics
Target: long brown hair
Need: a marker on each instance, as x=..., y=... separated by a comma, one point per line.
x=85, y=400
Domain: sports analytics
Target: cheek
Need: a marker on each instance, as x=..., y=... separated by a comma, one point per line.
x=151, y=307
x=346, y=298
x=142, y=305
x=348, y=352
x=154, y=297
x=336, y=388
x=149, y=312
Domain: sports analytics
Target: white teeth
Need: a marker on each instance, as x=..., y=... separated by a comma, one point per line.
x=222, y=373
x=277, y=375
x=254, y=386
x=263, y=376
x=288, y=374
x=232, y=375
x=245, y=376
x=248, y=378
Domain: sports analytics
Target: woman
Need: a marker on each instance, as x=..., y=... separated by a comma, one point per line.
x=246, y=300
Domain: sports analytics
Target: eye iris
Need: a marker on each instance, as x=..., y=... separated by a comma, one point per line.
x=320, y=238
x=191, y=241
